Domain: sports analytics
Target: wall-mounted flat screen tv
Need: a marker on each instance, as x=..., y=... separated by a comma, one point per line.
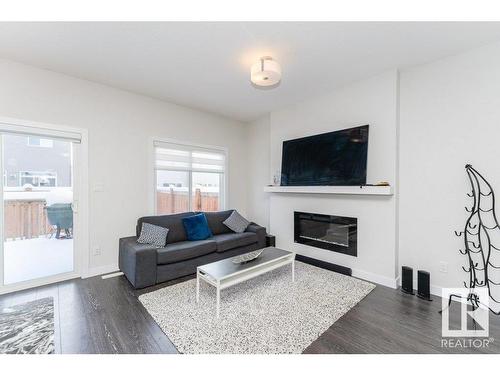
x=335, y=158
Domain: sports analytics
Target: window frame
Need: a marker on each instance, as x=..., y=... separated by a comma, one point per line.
x=224, y=188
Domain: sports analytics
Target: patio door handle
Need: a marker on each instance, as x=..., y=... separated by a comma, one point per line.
x=74, y=207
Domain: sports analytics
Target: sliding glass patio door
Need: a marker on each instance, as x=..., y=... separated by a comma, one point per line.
x=39, y=208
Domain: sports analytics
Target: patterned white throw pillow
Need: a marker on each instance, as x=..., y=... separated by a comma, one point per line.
x=153, y=235
x=236, y=222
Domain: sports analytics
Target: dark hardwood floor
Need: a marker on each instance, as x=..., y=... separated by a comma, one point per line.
x=105, y=316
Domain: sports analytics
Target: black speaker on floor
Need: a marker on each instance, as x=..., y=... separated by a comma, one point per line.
x=270, y=240
x=424, y=285
x=407, y=280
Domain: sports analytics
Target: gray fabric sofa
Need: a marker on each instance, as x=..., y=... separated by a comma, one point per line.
x=146, y=265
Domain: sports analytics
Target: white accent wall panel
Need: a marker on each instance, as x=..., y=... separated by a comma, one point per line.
x=372, y=101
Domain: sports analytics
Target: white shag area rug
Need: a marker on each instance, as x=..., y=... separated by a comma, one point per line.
x=269, y=314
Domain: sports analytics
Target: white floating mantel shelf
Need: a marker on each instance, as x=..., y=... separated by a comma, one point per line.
x=347, y=190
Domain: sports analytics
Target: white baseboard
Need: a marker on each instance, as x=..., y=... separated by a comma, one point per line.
x=101, y=270
x=358, y=273
x=436, y=290
x=111, y=275
x=374, y=278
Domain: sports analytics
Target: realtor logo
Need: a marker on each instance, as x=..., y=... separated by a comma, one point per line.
x=474, y=317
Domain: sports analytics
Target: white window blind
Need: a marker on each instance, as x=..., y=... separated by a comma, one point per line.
x=176, y=157
x=7, y=128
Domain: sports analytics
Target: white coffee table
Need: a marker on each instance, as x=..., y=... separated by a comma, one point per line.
x=225, y=273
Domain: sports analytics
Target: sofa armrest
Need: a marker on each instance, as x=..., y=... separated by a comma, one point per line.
x=260, y=231
x=138, y=262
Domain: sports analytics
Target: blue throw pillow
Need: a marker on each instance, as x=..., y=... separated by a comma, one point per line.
x=196, y=227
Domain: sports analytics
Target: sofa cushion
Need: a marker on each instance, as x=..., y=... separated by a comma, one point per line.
x=230, y=241
x=215, y=221
x=196, y=227
x=153, y=235
x=236, y=222
x=183, y=250
x=172, y=222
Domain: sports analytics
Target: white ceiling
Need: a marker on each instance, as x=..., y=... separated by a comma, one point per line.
x=206, y=65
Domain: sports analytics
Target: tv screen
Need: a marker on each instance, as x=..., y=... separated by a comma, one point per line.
x=335, y=158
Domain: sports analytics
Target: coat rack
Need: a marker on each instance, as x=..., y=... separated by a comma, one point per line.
x=481, y=242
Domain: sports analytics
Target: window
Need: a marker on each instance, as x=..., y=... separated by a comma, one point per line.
x=40, y=142
x=189, y=178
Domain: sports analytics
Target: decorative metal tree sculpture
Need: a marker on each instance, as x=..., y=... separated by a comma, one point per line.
x=481, y=239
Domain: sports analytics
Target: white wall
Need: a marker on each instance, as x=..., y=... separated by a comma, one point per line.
x=259, y=148
x=450, y=116
x=372, y=101
x=423, y=130
x=120, y=126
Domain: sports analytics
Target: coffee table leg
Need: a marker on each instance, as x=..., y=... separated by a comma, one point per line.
x=293, y=270
x=197, y=286
x=218, y=300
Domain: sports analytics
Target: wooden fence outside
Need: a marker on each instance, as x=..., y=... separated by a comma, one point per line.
x=25, y=219
x=168, y=202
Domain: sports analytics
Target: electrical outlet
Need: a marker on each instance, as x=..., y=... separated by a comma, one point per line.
x=443, y=267
x=97, y=251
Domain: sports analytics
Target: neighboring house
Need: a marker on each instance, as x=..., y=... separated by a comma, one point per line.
x=37, y=161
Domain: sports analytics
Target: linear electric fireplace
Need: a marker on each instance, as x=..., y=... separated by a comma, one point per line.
x=335, y=233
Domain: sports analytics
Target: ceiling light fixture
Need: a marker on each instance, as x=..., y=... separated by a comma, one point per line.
x=265, y=73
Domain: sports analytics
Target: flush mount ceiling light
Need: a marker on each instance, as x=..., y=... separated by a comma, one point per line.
x=265, y=73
